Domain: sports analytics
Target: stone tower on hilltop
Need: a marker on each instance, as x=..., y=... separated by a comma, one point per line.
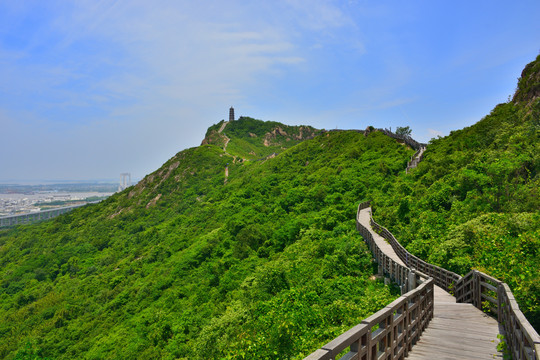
x=231, y=114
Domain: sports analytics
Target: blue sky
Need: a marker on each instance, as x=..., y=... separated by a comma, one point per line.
x=90, y=89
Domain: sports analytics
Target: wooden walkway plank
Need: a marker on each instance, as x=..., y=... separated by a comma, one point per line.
x=457, y=331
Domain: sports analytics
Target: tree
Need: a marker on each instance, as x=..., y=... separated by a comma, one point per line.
x=404, y=131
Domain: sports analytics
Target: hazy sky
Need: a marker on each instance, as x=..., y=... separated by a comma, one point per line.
x=90, y=89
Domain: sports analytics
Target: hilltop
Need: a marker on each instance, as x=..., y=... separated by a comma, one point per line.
x=248, y=138
x=268, y=263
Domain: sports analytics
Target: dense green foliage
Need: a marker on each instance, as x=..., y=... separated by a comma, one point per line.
x=184, y=266
x=267, y=263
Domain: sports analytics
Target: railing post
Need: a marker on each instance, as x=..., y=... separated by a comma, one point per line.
x=479, y=285
x=500, y=290
x=412, y=280
x=476, y=290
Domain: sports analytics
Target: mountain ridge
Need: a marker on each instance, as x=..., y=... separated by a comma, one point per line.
x=255, y=139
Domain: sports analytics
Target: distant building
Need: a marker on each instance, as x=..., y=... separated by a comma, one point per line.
x=231, y=114
x=125, y=181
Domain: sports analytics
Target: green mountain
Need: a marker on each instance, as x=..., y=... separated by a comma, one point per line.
x=184, y=265
x=249, y=139
x=265, y=262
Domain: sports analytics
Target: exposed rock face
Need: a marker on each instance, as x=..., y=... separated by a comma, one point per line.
x=153, y=201
x=529, y=84
x=300, y=136
x=215, y=138
x=272, y=138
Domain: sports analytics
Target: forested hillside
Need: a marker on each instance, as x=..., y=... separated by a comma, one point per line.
x=267, y=264
x=183, y=265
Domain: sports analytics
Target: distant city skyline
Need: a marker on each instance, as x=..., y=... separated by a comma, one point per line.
x=90, y=90
x=59, y=181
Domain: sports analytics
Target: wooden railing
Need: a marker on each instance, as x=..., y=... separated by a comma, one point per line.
x=443, y=278
x=523, y=341
x=483, y=291
x=391, y=332
x=495, y=298
x=401, y=323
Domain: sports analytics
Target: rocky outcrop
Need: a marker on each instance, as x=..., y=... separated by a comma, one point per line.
x=278, y=135
x=215, y=138
x=529, y=84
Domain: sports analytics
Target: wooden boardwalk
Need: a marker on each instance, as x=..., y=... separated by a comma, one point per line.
x=415, y=159
x=364, y=217
x=457, y=330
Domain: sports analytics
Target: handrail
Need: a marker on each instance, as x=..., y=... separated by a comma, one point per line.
x=496, y=299
x=391, y=332
x=399, y=326
x=483, y=291
x=523, y=341
x=443, y=278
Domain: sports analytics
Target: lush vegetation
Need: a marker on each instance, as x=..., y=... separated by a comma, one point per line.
x=267, y=264
x=473, y=203
x=184, y=266
x=404, y=131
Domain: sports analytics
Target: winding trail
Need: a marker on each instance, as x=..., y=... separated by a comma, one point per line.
x=364, y=217
x=223, y=126
x=415, y=160
x=227, y=139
